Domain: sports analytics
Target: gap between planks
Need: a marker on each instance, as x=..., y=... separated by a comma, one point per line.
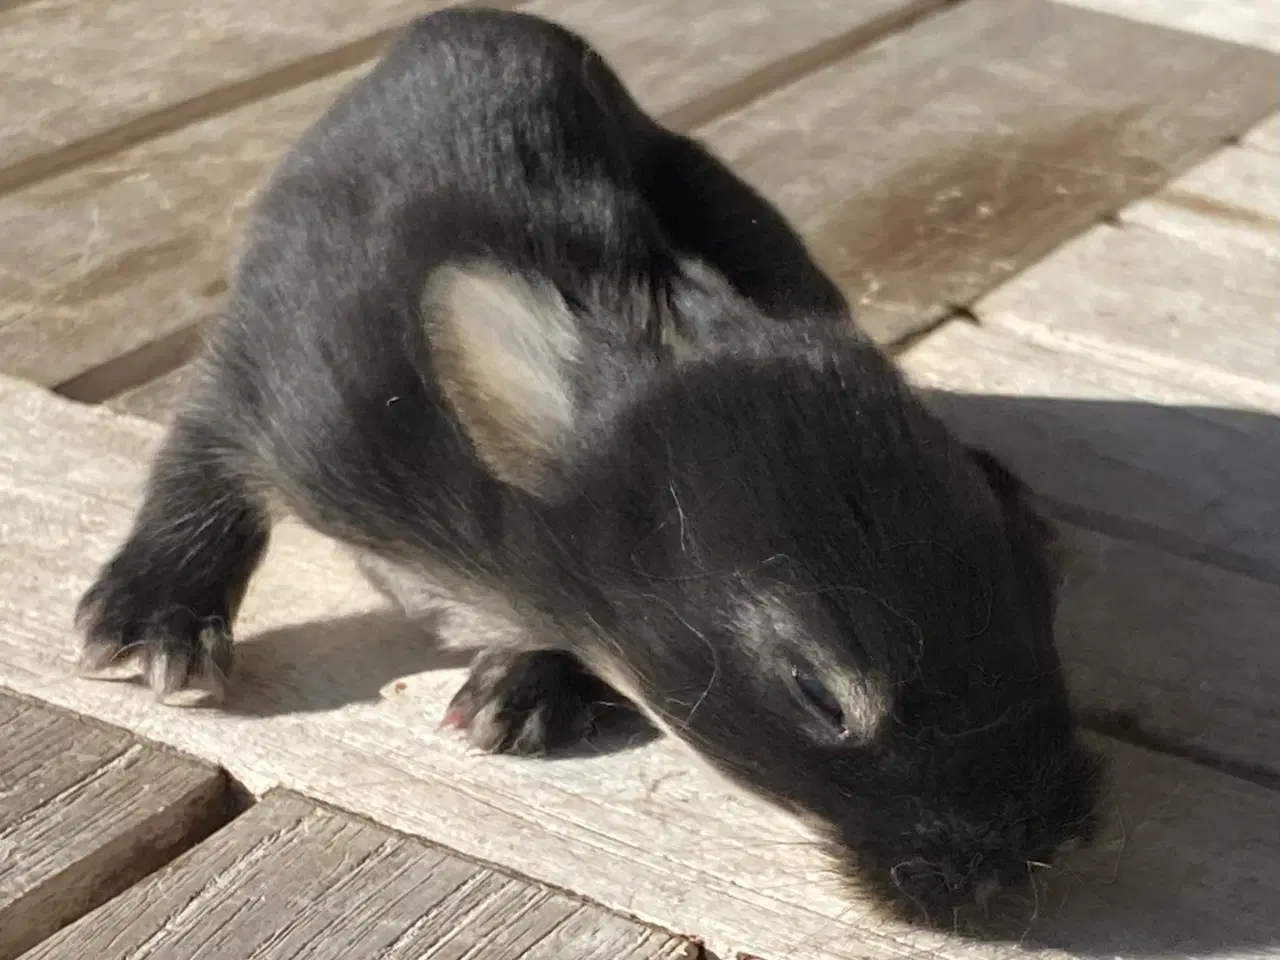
x=157, y=74
x=174, y=117
x=86, y=810
x=91, y=821
x=292, y=878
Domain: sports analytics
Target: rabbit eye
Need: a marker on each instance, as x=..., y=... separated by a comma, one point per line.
x=819, y=698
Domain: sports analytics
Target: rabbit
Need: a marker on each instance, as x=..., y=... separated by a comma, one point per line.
x=500, y=331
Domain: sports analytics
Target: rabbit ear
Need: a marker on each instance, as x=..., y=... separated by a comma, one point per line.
x=504, y=348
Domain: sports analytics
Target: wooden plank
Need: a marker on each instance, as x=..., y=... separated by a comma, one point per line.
x=292, y=879
x=693, y=67
x=1177, y=455
x=1253, y=22
x=1206, y=680
x=332, y=700
x=1265, y=136
x=1230, y=200
x=80, y=81
x=149, y=232
x=72, y=71
x=86, y=811
x=147, y=235
x=1010, y=128
x=1178, y=652
x=1209, y=302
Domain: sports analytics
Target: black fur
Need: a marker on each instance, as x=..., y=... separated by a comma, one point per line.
x=748, y=503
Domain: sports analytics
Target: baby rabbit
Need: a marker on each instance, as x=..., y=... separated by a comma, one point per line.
x=501, y=331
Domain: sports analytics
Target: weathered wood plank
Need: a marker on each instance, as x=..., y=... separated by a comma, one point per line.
x=292, y=879
x=86, y=811
x=1206, y=680
x=113, y=256
x=148, y=233
x=1210, y=302
x=1253, y=22
x=1265, y=136
x=1010, y=127
x=693, y=66
x=1173, y=454
x=1230, y=200
x=1176, y=650
x=124, y=72
x=334, y=700
x=70, y=71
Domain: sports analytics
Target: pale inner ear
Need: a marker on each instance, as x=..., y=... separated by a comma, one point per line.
x=503, y=347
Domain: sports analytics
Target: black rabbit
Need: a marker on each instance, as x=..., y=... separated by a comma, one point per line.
x=502, y=332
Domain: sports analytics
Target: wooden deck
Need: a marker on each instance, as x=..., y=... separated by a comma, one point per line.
x=1063, y=217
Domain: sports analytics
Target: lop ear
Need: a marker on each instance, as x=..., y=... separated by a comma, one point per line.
x=504, y=348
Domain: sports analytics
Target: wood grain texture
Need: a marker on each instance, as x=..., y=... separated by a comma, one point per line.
x=292, y=879
x=115, y=255
x=102, y=260
x=1231, y=200
x=336, y=699
x=1173, y=650
x=1253, y=22
x=85, y=811
x=70, y=73
x=1010, y=127
x=1208, y=302
x=1178, y=455
x=672, y=55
